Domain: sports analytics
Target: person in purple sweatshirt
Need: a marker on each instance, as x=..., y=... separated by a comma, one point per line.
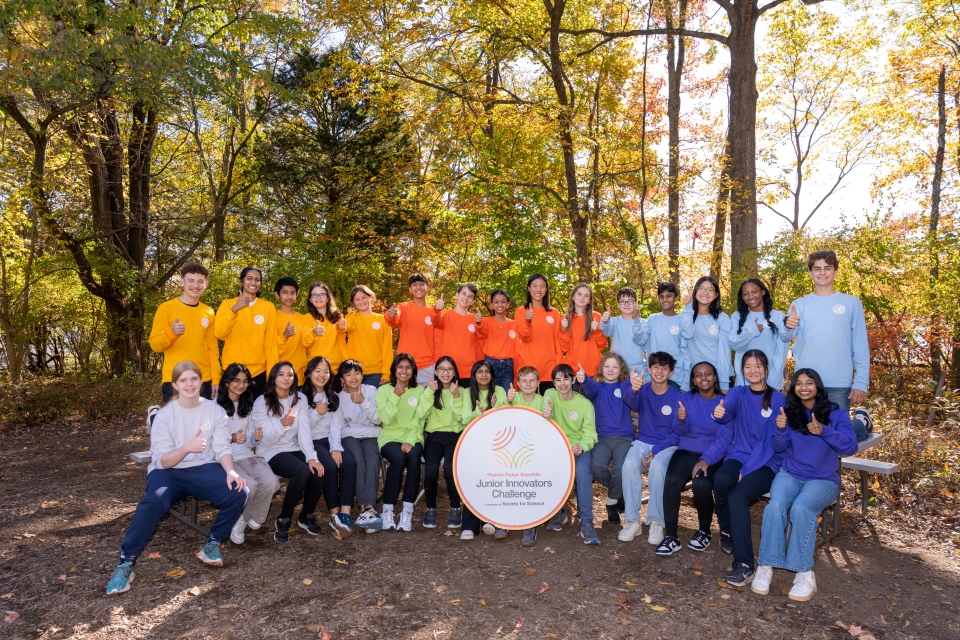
x=749, y=461
x=614, y=427
x=812, y=433
x=695, y=431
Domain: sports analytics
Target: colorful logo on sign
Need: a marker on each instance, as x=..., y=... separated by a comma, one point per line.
x=512, y=448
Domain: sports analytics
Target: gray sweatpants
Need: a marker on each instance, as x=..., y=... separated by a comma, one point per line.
x=366, y=454
x=611, y=448
x=262, y=484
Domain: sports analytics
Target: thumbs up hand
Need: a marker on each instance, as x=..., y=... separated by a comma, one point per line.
x=258, y=434
x=594, y=325
x=196, y=444
x=814, y=425
x=792, y=320
x=581, y=374
x=547, y=409
x=759, y=326
x=606, y=315
x=392, y=311
x=529, y=314
x=636, y=382
x=511, y=394
x=681, y=411
x=318, y=330
x=478, y=317
x=321, y=408
x=178, y=327
x=357, y=397
x=438, y=306
x=289, y=330
x=455, y=389
x=782, y=420
x=493, y=397
x=719, y=412
x=288, y=420
x=564, y=323
x=342, y=325
x=240, y=436
x=688, y=299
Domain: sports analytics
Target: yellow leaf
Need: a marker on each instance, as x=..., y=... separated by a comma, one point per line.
x=342, y=562
x=307, y=581
x=630, y=584
x=657, y=608
x=73, y=569
x=176, y=573
x=441, y=588
x=381, y=602
x=455, y=602
x=725, y=596
x=483, y=602
x=155, y=555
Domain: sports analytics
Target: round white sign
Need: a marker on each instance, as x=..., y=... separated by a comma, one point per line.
x=513, y=467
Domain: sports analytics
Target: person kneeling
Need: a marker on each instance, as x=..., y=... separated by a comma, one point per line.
x=188, y=439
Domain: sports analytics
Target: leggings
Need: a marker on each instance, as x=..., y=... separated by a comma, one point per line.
x=440, y=444
x=303, y=482
x=339, y=483
x=678, y=473
x=397, y=462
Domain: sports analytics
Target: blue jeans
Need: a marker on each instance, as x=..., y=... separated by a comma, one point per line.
x=841, y=395
x=502, y=371
x=372, y=379
x=633, y=482
x=167, y=487
x=584, y=481
x=806, y=500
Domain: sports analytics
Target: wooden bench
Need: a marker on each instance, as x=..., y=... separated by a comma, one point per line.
x=179, y=510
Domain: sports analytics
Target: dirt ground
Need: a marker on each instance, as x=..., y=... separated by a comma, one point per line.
x=69, y=490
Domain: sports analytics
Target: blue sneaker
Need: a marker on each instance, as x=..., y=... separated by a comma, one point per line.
x=588, y=533
x=340, y=522
x=121, y=579
x=210, y=553
x=430, y=519
x=529, y=538
x=455, y=521
x=369, y=522
x=558, y=520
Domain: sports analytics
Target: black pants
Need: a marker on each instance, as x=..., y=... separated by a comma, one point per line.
x=678, y=472
x=733, y=505
x=303, y=482
x=397, y=462
x=206, y=390
x=545, y=385
x=471, y=521
x=439, y=445
x=258, y=384
x=339, y=483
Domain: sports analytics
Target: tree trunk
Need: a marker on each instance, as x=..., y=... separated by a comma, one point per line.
x=933, y=247
x=720, y=220
x=675, y=56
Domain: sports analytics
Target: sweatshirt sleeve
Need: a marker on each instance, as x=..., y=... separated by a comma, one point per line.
x=226, y=319
x=686, y=322
x=606, y=327
x=394, y=321
x=307, y=336
x=588, y=430
x=161, y=443
x=162, y=336
x=730, y=404
x=470, y=411
x=670, y=441
x=524, y=330
x=272, y=431
x=640, y=332
x=221, y=437
x=839, y=433
x=781, y=438
x=387, y=359
x=718, y=448
x=304, y=437
x=425, y=403
x=458, y=408
x=336, y=431
x=270, y=347
x=861, y=347
x=566, y=342
x=387, y=404
x=723, y=347
x=591, y=388
x=739, y=341
x=632, y=398
x=682, y=426
x=597, y=335
x=369, y=404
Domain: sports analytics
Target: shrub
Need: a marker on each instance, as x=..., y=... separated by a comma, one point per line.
x=73, y=398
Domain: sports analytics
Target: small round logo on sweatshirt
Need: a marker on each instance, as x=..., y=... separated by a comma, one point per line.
x=674, y=329
x=259, y=319
x=471, y=328
x=617, y=393
x=412, y=402
x=839, y=309
x=666, y=410
x=428, y=320
x=713, y=329
x=376, y=325
x=205, y=425
x=512, y=334
x=766, y=413
x=205, y=322
x=573, y=415
x=550, y=320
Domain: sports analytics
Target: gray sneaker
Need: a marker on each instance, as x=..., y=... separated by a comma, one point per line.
x=558, y=520
x=588, y=533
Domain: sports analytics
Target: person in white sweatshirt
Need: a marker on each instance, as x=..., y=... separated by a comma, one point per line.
x=361, y=428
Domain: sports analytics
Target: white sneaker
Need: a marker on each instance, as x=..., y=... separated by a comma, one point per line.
x=488, y=529
x=466, y=534
x=236, y=534
x=629, y=532
x=254, y=525
x=406, y=521
x=804, y=586
x=389, y=523
x=655, y=537
x=761, y=580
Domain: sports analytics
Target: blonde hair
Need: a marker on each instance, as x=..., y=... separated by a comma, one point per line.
x=615, y=356
x=180, y=369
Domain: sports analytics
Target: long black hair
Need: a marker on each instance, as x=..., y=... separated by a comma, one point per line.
x=438, y=394
x=716, y=379
x=797, y=413
x=270, y=396
x=475, y=386
x=715, y=307
x=762, y=358
x=546, y=296
x=743, y=309
x=401, y=357
x=333, y=399
x=246, y=400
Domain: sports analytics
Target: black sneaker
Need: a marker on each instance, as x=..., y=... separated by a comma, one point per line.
x=455, y=521
x=669, y=546
x=726, y=544
x=309, y=524
x=701, y=540
x=613, y=514
x=558, y=520
x=740, y=576
x=864, y=416
x=281, y=530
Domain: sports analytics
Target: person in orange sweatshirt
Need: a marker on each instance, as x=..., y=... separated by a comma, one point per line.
x=289, y=343
x=460, y=332
x=417, y=323
x=500, y=345
x=183, y=332
x=580, y=337
x=538, y=327
x=247, y=326
x=369, y=338
x=319, y=330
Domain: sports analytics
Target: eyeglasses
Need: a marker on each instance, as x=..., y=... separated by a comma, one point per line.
x=240, y=382
x=314, y=296
x=706, y=290
x=627, y=301
x=444, y=370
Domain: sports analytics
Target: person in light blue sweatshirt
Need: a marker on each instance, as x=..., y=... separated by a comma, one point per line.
x=615, y=434
x=695, y=431
x=811, y=432
x=706, y=328
x=757, y=325
x=831, y=337
x=661, y=332
x=621, y=329
x=749, y=464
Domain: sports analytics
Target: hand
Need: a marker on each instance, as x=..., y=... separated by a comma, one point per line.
x=289, y=331
x=814, y=426
x=792, y=320
x=637, y=381
x=529, y=315
x=337, y=457
x=857, y=396
x=400, y=389
x=564, y=323
x=455, y=389
x=511, y=394
x=342, y=325
x=234, y=478
x=647, y=459
x=581, y=374
x=477, y=317
x=438, y=305
x=315, y=468
x=392, y=311
x=258, y=434
x=719, y=412
x=493, y=397
x=688, y=299
x=406, y=447
x=214, y=392
x=700, y=467
x=357, y=396
x=240, y=437
x=594, y=325
x=178, y=327
x=288, y=420
x=759, y=326
x=318, y=330
x=681, y=411
x=577, y=449
x=433, y=385
x=321, y=408
x=241, y=302
x=782, y=420
x=547, y=409
x=196, y=444
x=606, y=315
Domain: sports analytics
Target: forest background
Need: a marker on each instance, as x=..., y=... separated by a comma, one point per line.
x=620, y=143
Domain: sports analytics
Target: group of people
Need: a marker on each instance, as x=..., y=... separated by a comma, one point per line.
x=320, y=399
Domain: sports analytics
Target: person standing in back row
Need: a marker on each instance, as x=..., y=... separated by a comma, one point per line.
x=417, y=322
x=246, y=324
x=831, y=339
x=538, y=327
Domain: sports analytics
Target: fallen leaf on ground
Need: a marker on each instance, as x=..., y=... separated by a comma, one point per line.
x=324, y=635
x=882, y=621
x=483, y=602
x=29, y=535
x=548, y=550
x=854, y=630
x=669, y=584
x=614, y=557
x=73, y=569
x=544, y=587
x=48, y=505
x=155, y=555
x=176, y=573
x=743, y=629
x=455, y=602
x=697, y=566
x=115, y=611
x=786, y=590
x=698, y=573
x=62, y=577
x=647, y=599
x=725, y=596
x=728, y=586
x=341, y=562
x=630, y=584
x=530, y=571
x=518, y=623
x=381, y=602
x=441, y=588
x=194, y=591
x=658, y=608
x=448, y=533
x=307, y=581
x=551, y=635
x=313, y=628
x=7, y=596
x=11, y=616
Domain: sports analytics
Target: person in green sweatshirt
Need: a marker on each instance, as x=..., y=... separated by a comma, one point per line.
x=441, y=405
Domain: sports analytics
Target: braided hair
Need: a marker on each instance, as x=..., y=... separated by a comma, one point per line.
x=743, y=309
